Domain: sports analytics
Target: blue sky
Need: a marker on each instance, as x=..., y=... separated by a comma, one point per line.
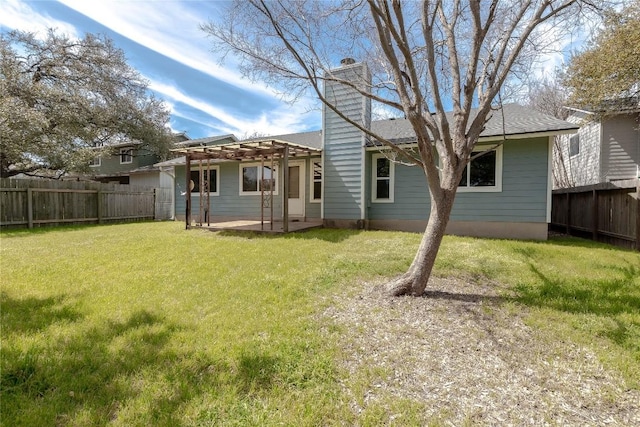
x=162, y=40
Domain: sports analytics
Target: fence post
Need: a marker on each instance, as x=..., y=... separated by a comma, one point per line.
x=99, y=204
x=568, y=213
x=187, y=213
x=30, y=207
x=595, y=215
x=638, y=215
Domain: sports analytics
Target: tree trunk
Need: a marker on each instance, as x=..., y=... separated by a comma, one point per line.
x=415, y=280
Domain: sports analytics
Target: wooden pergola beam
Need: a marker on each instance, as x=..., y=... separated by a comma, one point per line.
x=268, y=149
x=187, y=214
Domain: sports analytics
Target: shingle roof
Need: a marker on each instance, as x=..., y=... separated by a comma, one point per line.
x=312, y=139
x=524, y=120
x=630, y=104
x=209, y=140
x=519, y=120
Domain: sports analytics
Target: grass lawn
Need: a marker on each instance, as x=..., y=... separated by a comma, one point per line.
x=149, y=324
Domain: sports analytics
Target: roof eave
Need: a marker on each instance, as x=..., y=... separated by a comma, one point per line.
x=526, y=135
x=490, y=138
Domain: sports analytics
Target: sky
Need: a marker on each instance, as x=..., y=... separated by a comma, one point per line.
x=162, y=40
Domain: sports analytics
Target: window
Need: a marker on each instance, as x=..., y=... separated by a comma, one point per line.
x=252, y=180
x=574, y=145
x=199, y=177
x=126, y=155
x=483, y=173
x=383, y=175
x=95, y=162
x=316, y=180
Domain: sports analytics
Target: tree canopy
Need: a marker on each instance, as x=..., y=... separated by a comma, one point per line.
x=609, y=69
x=63, y=101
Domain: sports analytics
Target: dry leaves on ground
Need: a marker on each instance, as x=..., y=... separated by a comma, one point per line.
x=468, y=358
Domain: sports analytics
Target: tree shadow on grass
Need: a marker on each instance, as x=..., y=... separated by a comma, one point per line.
x=615, y=300
x=90, y=376
x=256, y=371
x=610, y=296
x=94, y=373
x=33, y=314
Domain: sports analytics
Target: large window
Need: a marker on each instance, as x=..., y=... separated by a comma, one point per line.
x=208, y=178
x=484, y=173
x=382, y=179
x=126, y=155
x=316, y=180
x=253, y=180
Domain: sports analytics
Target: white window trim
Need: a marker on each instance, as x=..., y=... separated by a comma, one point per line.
x=96, y=165
x=123, y=151
x=211, y=193
x=241, y=165
x=487, y=189
x=312, y=182
x=374, y=179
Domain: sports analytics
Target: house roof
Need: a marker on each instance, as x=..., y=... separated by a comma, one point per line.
x=209, y=140
x=312, y=139
x=144, y=169
x=625, y=105
x=519, y=121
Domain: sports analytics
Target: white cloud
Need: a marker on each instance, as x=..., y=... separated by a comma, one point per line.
x=557, y=42
x=168, y=28
x=281, y=121
x=18, y=15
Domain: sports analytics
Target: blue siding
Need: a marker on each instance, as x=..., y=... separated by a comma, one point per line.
x=523, y=197
x=312, y=210
x=343, y=148
x=230, y=203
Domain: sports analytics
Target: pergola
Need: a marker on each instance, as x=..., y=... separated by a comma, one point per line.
x=267, y=151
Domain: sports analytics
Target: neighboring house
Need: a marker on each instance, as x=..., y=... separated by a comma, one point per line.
x=131, y=163
x=605, y=149
x=341, y=177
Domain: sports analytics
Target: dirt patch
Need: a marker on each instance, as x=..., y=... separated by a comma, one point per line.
x=469, y=358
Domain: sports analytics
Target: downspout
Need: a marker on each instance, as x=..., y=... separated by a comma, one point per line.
x=170, y=171
x=550, y=179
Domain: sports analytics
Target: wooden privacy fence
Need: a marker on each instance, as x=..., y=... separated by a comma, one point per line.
x=31, y=203
x=608, y=213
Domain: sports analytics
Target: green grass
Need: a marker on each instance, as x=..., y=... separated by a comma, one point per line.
x=575, y=290
x=148, y=324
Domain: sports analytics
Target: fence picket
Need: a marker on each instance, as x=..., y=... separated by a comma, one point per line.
x=608, y=213
x=31, y=203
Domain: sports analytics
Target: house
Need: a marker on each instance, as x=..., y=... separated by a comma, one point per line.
x=606, y=148
x=132, y=163
x=337, y=175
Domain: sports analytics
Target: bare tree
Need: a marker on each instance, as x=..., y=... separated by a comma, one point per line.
x=551, y=97
x=425, y=57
